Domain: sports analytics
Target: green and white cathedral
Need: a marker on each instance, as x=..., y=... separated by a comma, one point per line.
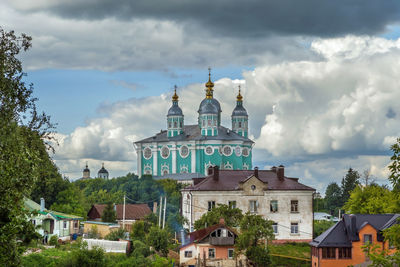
x=191, y=149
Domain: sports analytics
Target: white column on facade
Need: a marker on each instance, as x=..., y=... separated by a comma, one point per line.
x=173, y=151
x=193, y=157
x=139, y=159
x=155, y=158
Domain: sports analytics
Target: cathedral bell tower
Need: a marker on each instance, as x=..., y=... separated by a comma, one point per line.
x=240, y=117
x=175, y=117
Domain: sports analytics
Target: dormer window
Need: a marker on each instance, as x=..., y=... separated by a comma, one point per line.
x=253, y=187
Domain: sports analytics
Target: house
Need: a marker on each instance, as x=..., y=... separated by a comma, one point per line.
x=269, y=193
x=133, y=212
x=102, y=228
x=211, y=246
x=341, y=245
x=54, y=223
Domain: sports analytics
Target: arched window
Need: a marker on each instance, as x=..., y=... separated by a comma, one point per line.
x=175, y=124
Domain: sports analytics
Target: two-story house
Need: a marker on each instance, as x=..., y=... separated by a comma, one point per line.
x=269, y=193
x=342, y=244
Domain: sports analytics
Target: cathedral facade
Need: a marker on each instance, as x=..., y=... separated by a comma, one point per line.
x=194, y=148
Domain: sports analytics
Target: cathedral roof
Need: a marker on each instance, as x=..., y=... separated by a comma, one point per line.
x=239, y=111
x=208, y=107
x=205, y=103
x=193, y=133
x=175, y=110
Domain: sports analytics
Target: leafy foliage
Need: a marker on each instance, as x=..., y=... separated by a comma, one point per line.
x=159, y=239
x=116, y=235
x=109, y=214
x=232, y=217
x=333, y=198
x=349, y=182
x=255, y=232
x=22, y=134
x=373, y=199
x=394, y=167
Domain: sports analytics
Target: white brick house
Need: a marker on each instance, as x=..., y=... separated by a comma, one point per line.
x=269, y=193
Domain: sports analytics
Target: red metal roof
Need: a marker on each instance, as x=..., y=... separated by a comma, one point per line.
x=229, y=180
x=132, y=211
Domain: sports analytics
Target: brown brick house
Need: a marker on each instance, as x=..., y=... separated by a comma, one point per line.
x=133, y=212
x=341, y=245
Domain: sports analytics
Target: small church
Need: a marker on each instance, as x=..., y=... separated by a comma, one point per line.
x=192, y=149
x=102, y=173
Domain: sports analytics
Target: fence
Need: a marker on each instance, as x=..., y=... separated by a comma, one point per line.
x=107, y=245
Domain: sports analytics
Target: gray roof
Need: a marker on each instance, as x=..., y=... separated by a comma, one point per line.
x=213, y=101
x=342, y=234
x=175, y=110
x=239, y=111
x=208, y=107
x=193, y=133
x=103, y=170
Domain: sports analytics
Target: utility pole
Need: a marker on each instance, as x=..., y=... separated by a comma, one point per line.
x=165, y=208
x=159, y=216
x=123, y=214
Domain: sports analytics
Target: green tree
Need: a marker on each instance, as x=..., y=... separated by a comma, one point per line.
x=373, y=199
x=255, y=233
x=23, y=133
x=71, y=201
x=349, y=182
x=109, y=214
x=394, y=167
x=232, y=217
x=116, y=235
x=333, y=196
x=138, y=232
x=321, y=226
x=159, y=239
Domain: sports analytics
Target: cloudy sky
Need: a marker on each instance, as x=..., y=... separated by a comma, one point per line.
x=320, y=78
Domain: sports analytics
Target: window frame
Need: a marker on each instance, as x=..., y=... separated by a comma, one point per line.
x=270, y=206
x=232, y=204
x=255, y=206
x=294, y=225
x=326, y=253
x=346, y=255
x=275, y=228
x=370, y=241
x=294, y=206
x=211, y=256
x=229, y=250
x=211, y=205
x=187, y=252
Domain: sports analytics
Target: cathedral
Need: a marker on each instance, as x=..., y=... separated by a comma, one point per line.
x=190, y=149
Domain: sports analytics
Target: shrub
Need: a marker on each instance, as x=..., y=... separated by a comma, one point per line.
x=53, y=241
x=84, y=257
x=115, y=235
x=93, y=232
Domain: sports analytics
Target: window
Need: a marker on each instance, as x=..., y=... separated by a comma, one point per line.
x=232, y=204
x=227, y=150
x=328, y=253
x=273, y=206
x=230, y=253
x=294, y=206
x=294, y=228
x=253, y=206
x=209, y=150
x=203, y=123
x=76, y=224
x=344, y=253
x=188, y=254
x=209, y=122
x=184, y=151
x=175, y=124
x=65, y=224
x=240, y=124
x=238, y=151
x=180, y=124
x=147, y=153
x=211, y=205
x=245, y=151
x=367, y=239
x=211, y=253
x=253, y=187
x=165, y=152
x=169, y=124
x=275, y=227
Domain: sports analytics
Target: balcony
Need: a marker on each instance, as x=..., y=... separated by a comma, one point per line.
x=222, y=241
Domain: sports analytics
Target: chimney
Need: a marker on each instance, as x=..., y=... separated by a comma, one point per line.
x=273, y=168
x=42, y=204
x=221, y=221
x=281, y=172
x=155, y=207
x=353, y=225
x=215, y=173
x=256, y=172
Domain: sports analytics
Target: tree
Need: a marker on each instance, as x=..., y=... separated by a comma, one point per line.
x=373, y=199
x=255, y=233
x=158, y=239
x=137, y=232
x=70, y=201
x=321, y=226
x=349, y=182
x=23, y=134
x=333, y=198
x=109, y=214
x=394, y=167
x=232, y=217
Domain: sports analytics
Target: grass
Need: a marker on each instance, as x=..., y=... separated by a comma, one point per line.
x=296, y=250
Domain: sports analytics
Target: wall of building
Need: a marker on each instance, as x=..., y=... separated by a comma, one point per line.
x=195, y=208
x=103, y=229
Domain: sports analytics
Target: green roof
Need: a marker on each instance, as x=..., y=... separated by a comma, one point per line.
x=102, y=223
x=32, y=205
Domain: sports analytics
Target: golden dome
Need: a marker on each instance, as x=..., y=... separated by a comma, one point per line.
x=239, y=96
x=209, y=85
x=175, y=97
